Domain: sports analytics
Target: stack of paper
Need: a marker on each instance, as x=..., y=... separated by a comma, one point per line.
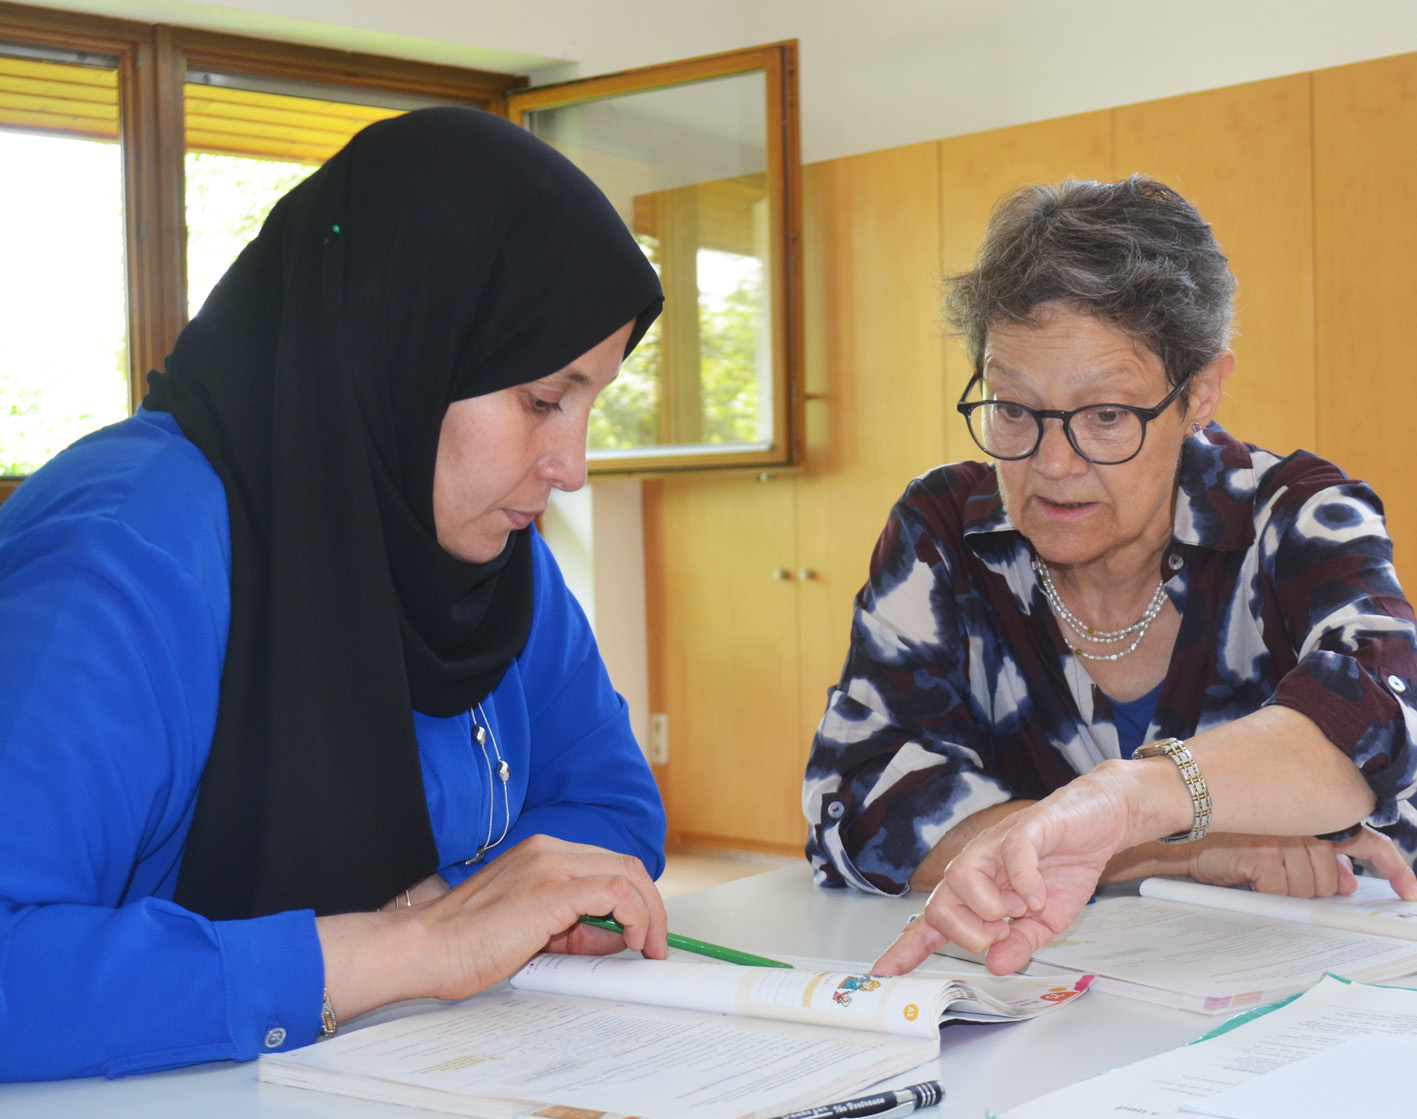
x=1217, y=950
x=1287, y=1059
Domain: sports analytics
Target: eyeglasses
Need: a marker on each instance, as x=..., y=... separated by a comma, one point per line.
x=1104, y=434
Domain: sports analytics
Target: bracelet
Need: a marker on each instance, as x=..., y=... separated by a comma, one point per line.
x=328, y=1026
x=1175, y=749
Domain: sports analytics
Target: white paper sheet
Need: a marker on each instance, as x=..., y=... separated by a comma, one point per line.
x=1375, y=1070
x=1159, y=1087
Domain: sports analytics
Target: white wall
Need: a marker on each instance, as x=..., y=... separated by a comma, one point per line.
x=597, y=536
x=873, y=74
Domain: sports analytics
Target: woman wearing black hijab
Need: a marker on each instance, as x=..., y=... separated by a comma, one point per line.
x=283, y=662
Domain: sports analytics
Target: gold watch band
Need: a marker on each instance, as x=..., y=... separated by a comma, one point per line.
x=1176, y=750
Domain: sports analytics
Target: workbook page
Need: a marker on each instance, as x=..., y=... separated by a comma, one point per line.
x=630, y=1060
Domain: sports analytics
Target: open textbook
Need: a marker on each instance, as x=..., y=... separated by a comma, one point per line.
x=1216, y=949
x=615, y=1037
x=1339, y=1049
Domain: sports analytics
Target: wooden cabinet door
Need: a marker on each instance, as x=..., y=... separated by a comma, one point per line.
x=722, y=586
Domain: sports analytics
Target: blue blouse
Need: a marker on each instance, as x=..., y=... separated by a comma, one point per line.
x=1132, y=719
x=114, y=609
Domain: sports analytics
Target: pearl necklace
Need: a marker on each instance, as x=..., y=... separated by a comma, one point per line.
x=1087, y=632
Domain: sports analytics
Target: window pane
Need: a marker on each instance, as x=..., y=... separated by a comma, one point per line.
x=249, y=141
x=228, y=197
x=63, y=365
x=686, y=166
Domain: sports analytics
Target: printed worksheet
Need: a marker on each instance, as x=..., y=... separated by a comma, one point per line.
x=1331, y=1013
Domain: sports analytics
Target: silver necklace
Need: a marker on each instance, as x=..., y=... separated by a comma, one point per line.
x=502, y=772
x=1086, y=632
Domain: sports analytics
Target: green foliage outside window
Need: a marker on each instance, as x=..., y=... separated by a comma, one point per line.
x=730, y=326
x=228, y=198
x=63, y=371
x=728, y=362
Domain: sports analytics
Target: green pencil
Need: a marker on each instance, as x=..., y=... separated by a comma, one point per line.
x=698, y=947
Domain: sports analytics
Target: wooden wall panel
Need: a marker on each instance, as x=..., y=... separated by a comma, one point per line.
x=1243, y=156
x=975, y=172
x=1365, y=189
x=872, y=238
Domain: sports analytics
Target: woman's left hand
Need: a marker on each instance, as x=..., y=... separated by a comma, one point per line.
x=1297, y=866
x=1384, y=857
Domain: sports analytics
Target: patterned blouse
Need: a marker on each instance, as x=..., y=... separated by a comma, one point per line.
x=959, y=692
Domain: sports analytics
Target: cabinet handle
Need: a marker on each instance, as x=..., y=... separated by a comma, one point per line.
x=805, y=573
x=781, y=574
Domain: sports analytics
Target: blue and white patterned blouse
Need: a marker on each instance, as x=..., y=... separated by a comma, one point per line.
x=959, y=692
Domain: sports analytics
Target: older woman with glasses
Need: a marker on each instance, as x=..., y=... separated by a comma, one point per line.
x=1131, y=644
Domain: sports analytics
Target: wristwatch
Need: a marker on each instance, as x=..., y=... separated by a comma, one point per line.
x=1175, y=749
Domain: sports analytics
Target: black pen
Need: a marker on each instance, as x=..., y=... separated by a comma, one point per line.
x=901, y=1101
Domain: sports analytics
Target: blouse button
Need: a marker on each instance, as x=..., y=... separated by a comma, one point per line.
x=835, y=809
x=1174, y=561
x=274, y=1037
x=1396, y=684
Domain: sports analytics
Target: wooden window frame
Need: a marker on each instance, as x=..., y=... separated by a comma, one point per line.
x=152, y=60
x=778, y=63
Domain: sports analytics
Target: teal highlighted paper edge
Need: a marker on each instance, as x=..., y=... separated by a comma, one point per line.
x=1258, y=1012
x=698, y=947
x=1237, y=1020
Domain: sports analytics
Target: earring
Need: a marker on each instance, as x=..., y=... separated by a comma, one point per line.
x=1195, y=427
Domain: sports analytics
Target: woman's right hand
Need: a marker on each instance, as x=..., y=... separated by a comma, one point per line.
x=529, y=900
x=1020, y=882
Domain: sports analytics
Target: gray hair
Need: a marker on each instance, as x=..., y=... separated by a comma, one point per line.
x=1134, y=254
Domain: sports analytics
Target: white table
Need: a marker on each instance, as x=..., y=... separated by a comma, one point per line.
x=981, y=1066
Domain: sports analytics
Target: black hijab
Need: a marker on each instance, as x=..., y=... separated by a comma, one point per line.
x=440, y=255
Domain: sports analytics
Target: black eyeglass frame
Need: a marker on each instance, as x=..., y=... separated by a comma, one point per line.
x=1146, y=415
